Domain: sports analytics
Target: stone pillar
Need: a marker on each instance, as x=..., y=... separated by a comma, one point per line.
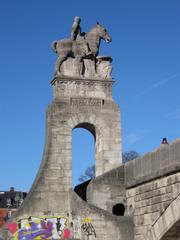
x=82, y=98
x=84, y=103
x=88, y=103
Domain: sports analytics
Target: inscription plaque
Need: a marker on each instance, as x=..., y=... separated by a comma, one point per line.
x=86, y=102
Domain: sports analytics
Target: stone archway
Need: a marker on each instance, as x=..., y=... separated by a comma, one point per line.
x=83, y=154
x=77, y=103
x=88, y=126
x=107, y=147
x=167, y=223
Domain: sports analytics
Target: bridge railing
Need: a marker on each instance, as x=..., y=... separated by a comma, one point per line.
x=160, y=162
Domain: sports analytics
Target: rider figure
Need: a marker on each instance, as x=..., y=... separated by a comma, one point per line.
x=76, y=32
x=76, y=29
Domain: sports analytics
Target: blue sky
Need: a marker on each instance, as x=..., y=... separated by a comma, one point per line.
x=146, y=61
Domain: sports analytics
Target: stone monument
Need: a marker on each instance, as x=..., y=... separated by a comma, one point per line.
x=133, y=201
x=82, y=98
x=78, y=55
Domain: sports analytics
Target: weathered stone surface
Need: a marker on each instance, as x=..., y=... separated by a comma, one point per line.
x=102, y=69
x=84, y=103
x=78, y=56
x=150, y=202
x=107, y=190
x=147, y=188
x=152, y=165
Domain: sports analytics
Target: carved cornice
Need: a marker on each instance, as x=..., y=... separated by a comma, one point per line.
x=84, y=81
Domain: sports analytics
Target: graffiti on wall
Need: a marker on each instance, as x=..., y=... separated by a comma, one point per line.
x=3, y=216
x=39, y=228
x=87, y=227
x=49, y=228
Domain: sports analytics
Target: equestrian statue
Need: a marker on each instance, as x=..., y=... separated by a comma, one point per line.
x=79, y=53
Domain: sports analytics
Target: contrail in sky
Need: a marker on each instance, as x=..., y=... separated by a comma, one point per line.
x=157, y=84
x=132, y=138
x=174, y=114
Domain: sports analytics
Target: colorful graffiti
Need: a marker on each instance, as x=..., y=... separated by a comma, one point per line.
x=39, y=228
x=3, y=216
x=48, y=228
x=88, y=228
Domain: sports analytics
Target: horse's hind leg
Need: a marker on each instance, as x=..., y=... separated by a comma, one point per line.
x=59, y=62
x=95, y=64
x=80, y=63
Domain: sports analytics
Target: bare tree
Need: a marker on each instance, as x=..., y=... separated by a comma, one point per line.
x=90, y=171
x=129, y=155
x=88, y=174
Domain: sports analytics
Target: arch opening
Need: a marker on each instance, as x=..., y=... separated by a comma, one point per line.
x=89, y=127
x=83, y=157
x=118, y=209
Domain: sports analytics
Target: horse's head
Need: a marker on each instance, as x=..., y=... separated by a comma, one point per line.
x=103, y=33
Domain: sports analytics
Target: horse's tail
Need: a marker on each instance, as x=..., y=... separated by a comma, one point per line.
x=53, y=46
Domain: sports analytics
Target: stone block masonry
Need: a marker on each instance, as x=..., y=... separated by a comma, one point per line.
x=77, y=104
x=155, y=195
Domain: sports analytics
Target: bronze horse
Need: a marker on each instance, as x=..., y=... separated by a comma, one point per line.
x=86, y=46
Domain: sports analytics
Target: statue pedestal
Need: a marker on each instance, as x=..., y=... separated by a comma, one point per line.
x=99, y=68
x=64, y=87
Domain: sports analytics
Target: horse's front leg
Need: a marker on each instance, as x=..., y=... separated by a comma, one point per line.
x=80, y=65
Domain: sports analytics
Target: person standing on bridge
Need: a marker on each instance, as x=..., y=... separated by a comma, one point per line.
x=164, y=141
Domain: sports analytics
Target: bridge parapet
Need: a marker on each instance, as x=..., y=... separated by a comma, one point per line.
x=158, y=163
